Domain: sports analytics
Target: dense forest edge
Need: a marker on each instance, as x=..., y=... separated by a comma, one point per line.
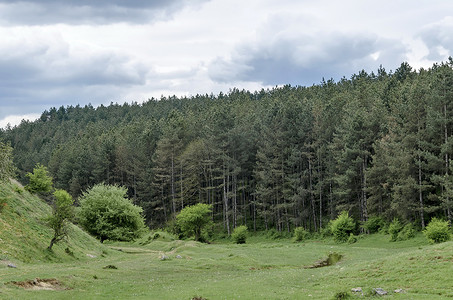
x=375, y=145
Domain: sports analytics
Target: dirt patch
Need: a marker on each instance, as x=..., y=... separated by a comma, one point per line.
x=332, y=259
x=40, y=284
x=112, y=267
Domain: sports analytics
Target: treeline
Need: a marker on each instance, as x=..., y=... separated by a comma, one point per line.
x=375, y=144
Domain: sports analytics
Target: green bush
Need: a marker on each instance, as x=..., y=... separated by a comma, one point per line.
x=374, y=224
x=394, y=228
x=406, y=233
x=437, y=231
x=300, y=234
x=352, y=238
x=240, y=234
x=342, y=227
x=18, y=189
x=193, y=219
x=327, y=230
x=106, y=213
x=341, y=295
x=274, y=234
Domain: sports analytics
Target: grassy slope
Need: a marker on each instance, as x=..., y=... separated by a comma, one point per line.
x=260, y=269
x=257, y=270
x=24, y=236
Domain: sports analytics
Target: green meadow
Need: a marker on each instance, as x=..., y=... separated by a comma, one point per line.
x=260, y=269
x=263, y=268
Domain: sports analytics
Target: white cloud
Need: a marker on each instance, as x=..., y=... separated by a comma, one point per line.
x=14, y=120
x=438, y=38
x=55, y=53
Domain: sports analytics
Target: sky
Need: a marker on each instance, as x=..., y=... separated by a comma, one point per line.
x=57, y=53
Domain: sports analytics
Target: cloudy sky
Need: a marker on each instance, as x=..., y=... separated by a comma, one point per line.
x=70, y=52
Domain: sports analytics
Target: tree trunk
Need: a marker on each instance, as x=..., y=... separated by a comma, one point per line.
x=181, y=186
x=311, y=195
x=52, y=243
x=447, y=163
x=420, y=194
x=320, y=189
x=225, y=200
x=364, y=204
x=173, y=201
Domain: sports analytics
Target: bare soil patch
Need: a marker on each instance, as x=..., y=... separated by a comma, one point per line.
x=40, y=284
x=332, y=259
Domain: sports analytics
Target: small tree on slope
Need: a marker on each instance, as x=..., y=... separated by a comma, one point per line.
x=63, y=210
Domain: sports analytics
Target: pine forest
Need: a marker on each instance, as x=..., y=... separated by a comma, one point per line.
x=377, y=144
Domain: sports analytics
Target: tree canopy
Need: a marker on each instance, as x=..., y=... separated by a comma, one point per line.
x=193, y=219
x=7, y=168
x=40, y=180
x=106, y=213
x=376, y=144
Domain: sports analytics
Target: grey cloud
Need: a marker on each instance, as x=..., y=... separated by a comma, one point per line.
x=305, y=60
x=53, y=75
x=438, y=38
x=39, y=12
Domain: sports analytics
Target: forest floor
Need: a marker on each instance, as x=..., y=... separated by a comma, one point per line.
x=259, y=269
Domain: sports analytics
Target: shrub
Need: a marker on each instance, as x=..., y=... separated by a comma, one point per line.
x=327, y=230
x=300, y=234
x=240, y=234
x=106, y=213
x=437, y=231
x=374, y=224
x=394, y=228
x=273, y=234
x=341, y=295
x=193, y=219
x=342, y=227
x=18, y=189
x=406, y=233
x=352, y=238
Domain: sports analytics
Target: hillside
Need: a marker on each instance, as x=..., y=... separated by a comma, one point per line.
x=24, y=237
x=377, y=144
x=259, y=269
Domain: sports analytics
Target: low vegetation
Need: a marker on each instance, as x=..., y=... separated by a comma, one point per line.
x=438, y=231
x=259, y=269
x=239, y=234
x=160, y=266
x=25, y=235
x=342, y=227
x=300, y=234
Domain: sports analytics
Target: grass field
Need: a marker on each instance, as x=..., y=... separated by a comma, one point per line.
x=257, y=270
x=261, y=269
